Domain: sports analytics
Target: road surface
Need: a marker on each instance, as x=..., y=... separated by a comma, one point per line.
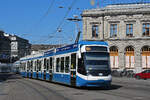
x=14, y=87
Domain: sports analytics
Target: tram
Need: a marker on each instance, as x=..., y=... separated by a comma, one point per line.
x=85, y=63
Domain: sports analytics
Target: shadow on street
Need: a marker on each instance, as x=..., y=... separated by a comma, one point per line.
x=112, y=87
x=6, y=76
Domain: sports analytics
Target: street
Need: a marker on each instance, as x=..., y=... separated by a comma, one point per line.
x=14, y=87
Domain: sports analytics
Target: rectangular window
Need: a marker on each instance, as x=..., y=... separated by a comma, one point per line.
x=94, y=31
x=31, y=65
x=129, y=30
x=73, y=61
x=67, y=64
x=47, y=64
x=40, y=65
x=146, y=29
x=57, y=64
x=113, y=30
x=35, y=65
x=62, y=64
x=24, y=66
x=51, y=62
x=28, y=66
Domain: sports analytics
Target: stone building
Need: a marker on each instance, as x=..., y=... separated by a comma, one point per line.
x=126, y=28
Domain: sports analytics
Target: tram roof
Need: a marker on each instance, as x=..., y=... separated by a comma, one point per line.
x=66, y=49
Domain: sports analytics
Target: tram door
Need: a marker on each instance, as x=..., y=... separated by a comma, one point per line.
x=73, y=69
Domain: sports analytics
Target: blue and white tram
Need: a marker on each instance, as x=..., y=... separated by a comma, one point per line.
x=86, y=63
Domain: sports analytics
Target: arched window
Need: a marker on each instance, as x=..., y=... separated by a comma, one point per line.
x=145, y=57
x=129, y=55
x=114, y=57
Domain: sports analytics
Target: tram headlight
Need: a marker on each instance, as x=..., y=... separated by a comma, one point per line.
x=88, y=48
x=100, y=74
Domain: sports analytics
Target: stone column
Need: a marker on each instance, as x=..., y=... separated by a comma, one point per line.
x=138, y=58
x=121, y=58
x=84, y=28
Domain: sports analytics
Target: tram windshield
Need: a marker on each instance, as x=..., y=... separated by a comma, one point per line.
x=97, y=60
x=96, y=63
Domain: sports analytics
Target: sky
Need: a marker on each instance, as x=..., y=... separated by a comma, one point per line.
x=45, y=21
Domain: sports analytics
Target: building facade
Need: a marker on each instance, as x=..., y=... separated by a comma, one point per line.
x=13, y=47
x=126, y=28
x=19, y=47
x=4, y=48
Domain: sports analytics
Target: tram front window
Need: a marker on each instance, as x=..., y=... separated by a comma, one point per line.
x=97, y=63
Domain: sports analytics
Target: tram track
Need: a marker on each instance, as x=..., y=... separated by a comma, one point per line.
x=50, y=92
x=124, y=92
x=117, y=94
x=18, y=88
x=24, y=84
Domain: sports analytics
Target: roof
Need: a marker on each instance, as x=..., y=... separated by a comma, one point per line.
x=117, y=9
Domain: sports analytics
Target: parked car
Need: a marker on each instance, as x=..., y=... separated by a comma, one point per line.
x=143, y=75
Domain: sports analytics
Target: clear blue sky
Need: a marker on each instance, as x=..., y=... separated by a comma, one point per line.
x=28, y=18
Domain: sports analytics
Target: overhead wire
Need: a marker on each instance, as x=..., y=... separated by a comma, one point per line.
x=51, y=35
x=48, y=10
x=44, y=15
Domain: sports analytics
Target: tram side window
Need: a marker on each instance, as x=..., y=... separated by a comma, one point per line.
x=57, y=64
x=51, y=62
x=24, y=66
x=21, y=64
x=28, y=66
x=45, y=63
x=31, y=65
x=35, y=65
x=81, y=67
x=40, y=64
x=73, y=61
x=62, y=64
x=67, y=64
